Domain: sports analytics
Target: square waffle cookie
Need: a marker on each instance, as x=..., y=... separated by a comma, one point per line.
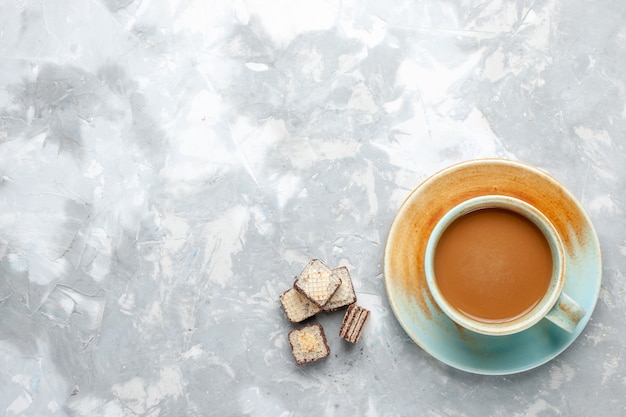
x=353, y=322
x=297, y=306
x=308, y=344
x=317, y=282
x=345, y=295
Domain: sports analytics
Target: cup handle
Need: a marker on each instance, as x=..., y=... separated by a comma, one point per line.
x=566, y=313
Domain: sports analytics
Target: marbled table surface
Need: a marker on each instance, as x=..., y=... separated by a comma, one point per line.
x=167, y=167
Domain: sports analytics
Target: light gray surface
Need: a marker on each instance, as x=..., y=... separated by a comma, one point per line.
x=166, y=168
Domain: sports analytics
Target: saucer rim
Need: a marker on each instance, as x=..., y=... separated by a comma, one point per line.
x=588, y=283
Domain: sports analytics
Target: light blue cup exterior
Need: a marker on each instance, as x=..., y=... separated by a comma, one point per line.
x=555, y=306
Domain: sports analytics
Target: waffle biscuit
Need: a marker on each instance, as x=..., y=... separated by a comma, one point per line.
x=308, y=344
x=297, y=307
x=353, y=321
x=317, y=282
x=345, y=294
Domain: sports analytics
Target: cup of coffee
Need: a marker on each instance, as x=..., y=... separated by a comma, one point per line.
x=496, y=265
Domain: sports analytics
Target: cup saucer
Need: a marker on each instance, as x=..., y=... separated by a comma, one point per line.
x=405, y=280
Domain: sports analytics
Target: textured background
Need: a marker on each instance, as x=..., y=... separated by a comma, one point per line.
x=167, y=167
